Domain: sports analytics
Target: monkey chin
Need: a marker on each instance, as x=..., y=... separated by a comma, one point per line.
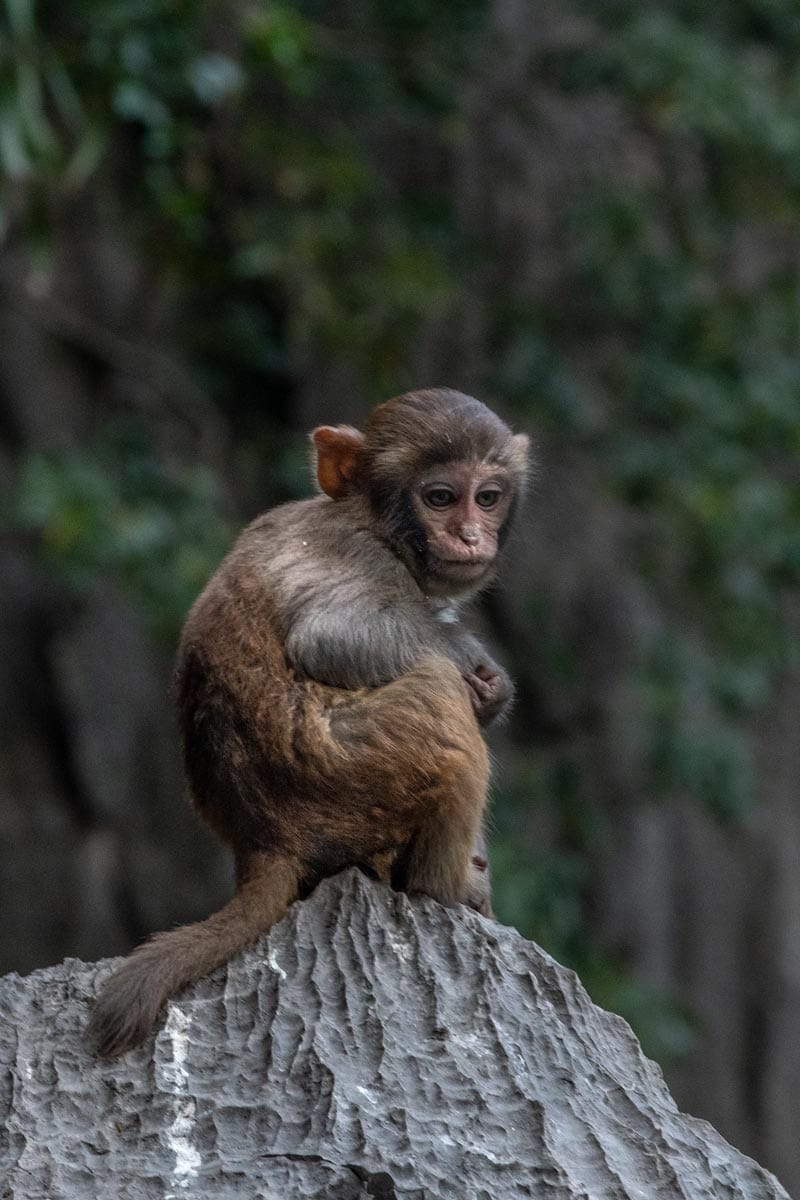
x=448, y=577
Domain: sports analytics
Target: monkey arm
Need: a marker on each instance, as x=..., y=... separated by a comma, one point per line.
x=350, y=613
x=352, y=645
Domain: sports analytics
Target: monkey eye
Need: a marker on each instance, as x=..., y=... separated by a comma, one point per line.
x=439, y=497
x=488, y=497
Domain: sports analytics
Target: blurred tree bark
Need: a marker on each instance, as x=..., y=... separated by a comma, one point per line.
x=91, y=816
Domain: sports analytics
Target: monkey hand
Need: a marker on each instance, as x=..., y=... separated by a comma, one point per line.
x=490, y=692
x=479, y=887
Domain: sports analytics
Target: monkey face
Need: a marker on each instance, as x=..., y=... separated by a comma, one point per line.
x=462, y=507
x=441, y=474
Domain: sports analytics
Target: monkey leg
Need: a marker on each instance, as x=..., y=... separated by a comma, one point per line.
x=438, y=861
x=417, y=777
x=131, y=1000
x=479, y=885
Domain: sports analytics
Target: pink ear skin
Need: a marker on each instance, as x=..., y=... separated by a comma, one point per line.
x=337, y=452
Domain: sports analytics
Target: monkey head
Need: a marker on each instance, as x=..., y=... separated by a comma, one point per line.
x=442, y=475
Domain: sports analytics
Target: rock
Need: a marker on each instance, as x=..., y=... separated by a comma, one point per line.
x=370, y=1046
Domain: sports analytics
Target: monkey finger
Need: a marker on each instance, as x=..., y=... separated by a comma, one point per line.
x=480, y=688
x=487, y=674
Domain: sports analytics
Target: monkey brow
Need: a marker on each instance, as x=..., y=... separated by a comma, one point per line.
x=457, y=452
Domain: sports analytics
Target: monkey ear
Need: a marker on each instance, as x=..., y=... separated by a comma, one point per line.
x=520, y=452
x=337, y=452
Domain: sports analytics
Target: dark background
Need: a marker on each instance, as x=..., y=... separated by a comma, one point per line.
x=224, y=223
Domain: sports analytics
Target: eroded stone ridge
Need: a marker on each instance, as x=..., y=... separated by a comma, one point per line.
x=370, y=1046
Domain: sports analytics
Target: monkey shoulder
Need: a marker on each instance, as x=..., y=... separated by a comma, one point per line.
x=324, y=543
x=349, y=613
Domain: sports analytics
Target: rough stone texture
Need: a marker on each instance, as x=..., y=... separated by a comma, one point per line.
x=369, y=1047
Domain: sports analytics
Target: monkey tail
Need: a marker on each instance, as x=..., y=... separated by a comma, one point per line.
x=130, y=1002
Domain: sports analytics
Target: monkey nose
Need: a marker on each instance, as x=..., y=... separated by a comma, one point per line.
x=470, y=534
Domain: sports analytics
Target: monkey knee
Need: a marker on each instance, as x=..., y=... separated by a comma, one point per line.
x=430, y=697
x=421, y=733
x=439, y=696
x=440, y=676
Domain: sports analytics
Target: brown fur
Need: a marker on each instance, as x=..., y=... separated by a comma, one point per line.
x=327, y=721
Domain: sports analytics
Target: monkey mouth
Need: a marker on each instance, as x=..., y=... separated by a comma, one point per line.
x=466, y=566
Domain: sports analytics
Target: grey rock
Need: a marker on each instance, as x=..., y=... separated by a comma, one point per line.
x=370, y=1046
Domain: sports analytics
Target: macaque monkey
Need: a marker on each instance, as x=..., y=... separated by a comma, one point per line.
x=330, y=700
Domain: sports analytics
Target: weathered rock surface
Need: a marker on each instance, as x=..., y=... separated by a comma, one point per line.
x=369, y=1047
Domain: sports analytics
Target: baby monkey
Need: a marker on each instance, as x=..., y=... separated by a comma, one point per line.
x=330, y=701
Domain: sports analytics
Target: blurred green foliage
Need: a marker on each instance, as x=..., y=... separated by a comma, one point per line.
x=540, y=888
x=242, y=151
x=113, y=509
